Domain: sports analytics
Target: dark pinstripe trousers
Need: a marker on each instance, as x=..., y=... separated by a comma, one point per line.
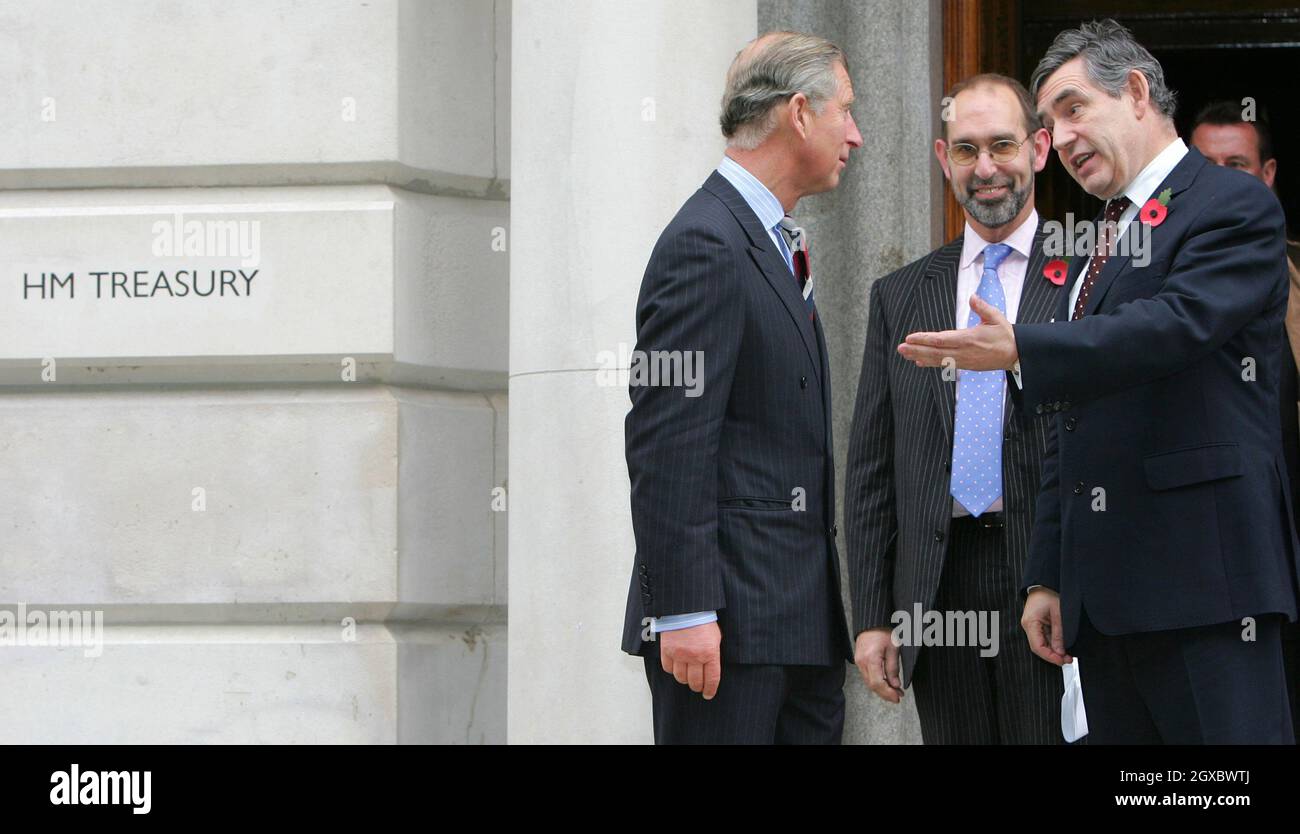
x=755, y=704
x=1012, y=697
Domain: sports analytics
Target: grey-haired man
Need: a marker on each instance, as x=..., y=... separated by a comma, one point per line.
x=734, y=601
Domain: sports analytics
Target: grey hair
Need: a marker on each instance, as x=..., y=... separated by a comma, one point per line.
x=1110, y=53
x=770, y=70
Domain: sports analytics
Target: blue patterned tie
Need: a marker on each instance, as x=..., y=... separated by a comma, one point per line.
x=977, y=436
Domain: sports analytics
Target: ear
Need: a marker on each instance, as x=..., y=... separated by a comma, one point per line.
x=1140, y=91
x=1042, y=146
x=799, y=114
x=1268, y=172
x=941, y=151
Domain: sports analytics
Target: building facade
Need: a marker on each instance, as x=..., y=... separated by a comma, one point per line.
x=271, y=273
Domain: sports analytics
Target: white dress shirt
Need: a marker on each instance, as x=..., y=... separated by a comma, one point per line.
x=1142, y=188
x=1012, y=275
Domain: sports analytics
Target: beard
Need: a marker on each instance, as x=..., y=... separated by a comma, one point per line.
x=993, y=213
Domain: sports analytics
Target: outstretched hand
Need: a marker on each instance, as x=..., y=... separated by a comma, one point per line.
x=989, y=346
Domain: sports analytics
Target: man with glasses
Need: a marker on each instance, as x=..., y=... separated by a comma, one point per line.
x=942, y=476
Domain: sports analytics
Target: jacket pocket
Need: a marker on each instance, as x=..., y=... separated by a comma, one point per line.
x=1182, y=467
x=756, y=503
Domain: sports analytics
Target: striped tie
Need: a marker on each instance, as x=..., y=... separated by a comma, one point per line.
x=797, y=243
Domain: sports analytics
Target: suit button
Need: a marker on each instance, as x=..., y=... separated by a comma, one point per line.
x=1056, y=406
x=643, y=570
x=1078, y=488
x=1070, y=424
x=938, y=535
x=803, y=382
x=1038, y=409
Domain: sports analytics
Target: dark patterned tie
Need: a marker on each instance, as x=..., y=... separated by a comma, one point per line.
x=1108, y=232
x=797, y=241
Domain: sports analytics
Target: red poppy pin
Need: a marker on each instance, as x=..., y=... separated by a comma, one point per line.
x=1056, y=270
x=1155, y=210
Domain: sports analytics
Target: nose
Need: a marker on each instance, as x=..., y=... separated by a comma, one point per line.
x=1062, y=139
x=854, y=138
x=984, y=165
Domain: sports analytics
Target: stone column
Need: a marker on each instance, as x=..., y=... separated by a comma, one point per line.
x=252, y=368
x=886, y=213
x=614, y=125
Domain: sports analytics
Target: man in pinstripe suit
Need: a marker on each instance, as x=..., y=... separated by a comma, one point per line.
x=734, y=601
x=942, y=476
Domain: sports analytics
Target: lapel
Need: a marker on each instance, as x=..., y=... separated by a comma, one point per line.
x=1038, y=296
x=936, y=300
x=1038, y=302
x=1177, y=181
x=826, y=414
x=770, y=263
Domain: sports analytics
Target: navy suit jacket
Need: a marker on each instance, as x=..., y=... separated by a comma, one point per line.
x=733, y=496
x=1164, y=502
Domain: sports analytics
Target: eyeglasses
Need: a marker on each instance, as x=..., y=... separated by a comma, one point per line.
x=1003, y=150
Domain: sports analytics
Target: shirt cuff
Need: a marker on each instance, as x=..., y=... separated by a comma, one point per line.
x=675, y=621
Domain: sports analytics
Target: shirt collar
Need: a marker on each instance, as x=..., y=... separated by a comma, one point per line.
x=1021, y=240
x=762, y=201
x=1146, y=182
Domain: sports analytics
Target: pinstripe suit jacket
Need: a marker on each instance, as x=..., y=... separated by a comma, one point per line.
x=733, y=490
x=898, y=506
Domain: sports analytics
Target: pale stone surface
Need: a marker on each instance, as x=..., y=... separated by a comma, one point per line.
x=614, y=126
x=500, y=508
x=447, y=469
x=347, y=493
x=409, y=286
x=616, y=110
x=295, y=683
x=572, y=549
x=160, y=93
x=369, y=141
